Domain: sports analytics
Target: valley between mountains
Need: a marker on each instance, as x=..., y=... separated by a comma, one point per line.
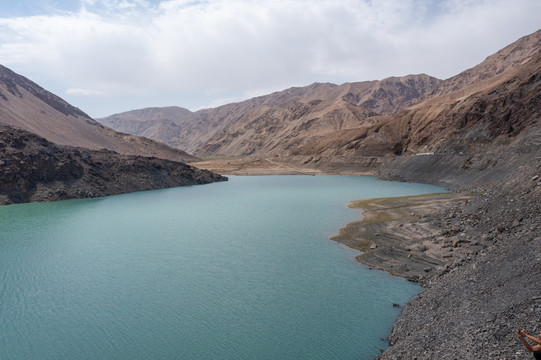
x=477, y=251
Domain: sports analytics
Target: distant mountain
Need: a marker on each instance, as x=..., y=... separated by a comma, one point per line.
x=151, y=123
x=275, y=123
x=26, y=105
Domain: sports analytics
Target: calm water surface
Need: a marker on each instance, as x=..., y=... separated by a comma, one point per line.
x=236, y=270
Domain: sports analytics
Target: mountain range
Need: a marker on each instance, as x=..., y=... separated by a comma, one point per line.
x=274, y=124
x=397, y=115
x=494, y=102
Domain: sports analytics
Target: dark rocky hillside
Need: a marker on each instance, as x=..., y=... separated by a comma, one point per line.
x=34, y=169
x=471, y=309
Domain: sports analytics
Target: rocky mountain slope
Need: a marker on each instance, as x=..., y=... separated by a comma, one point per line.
x=507, y=58
x=277, y=123
x=26, y=105
x=471, y=309
x=498, y=112
x=487, y=144
x=35, y=169
x=153, y=123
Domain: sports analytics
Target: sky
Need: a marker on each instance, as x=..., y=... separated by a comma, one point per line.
x=110, y=56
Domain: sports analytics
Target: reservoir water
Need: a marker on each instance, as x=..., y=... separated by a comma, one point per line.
x=242, y=269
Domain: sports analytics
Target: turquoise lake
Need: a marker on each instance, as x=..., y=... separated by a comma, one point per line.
x=242, y=269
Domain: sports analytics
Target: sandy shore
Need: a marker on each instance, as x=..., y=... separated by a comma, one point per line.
x=253, y=167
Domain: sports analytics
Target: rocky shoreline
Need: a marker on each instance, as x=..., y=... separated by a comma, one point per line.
x=401, y=236
x=477, y=251
x=34, y=169
x=471, y=309
x=477, y=256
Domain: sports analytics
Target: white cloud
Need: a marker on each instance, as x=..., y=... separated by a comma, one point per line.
x=85, y=92
x=194, y=53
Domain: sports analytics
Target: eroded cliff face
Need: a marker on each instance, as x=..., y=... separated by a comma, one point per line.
x=34, y=169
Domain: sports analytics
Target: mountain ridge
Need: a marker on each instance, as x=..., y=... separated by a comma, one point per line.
x=202, y=131
x=26, y=105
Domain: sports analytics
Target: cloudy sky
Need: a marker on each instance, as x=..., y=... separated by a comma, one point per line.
x=109, y=56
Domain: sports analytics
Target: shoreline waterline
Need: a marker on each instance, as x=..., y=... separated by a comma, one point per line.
x=397, y=235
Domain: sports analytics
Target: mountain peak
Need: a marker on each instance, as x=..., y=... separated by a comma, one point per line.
x=14, y=82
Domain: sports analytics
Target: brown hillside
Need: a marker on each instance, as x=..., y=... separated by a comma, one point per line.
x=499, y=112
x=481, y=75
x=25, y=105
x=152, y=123
x=278, y=130
x=326, y=119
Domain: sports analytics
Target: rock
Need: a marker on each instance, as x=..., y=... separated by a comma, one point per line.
x=34, y=169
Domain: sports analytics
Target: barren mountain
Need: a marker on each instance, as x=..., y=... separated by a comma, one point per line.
x=152, y=123
x=495, y=65
x=25, y=105
x=277, y=130
x=496, y=108
x=291, y=117
x=498, y=112
x=298, y=120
